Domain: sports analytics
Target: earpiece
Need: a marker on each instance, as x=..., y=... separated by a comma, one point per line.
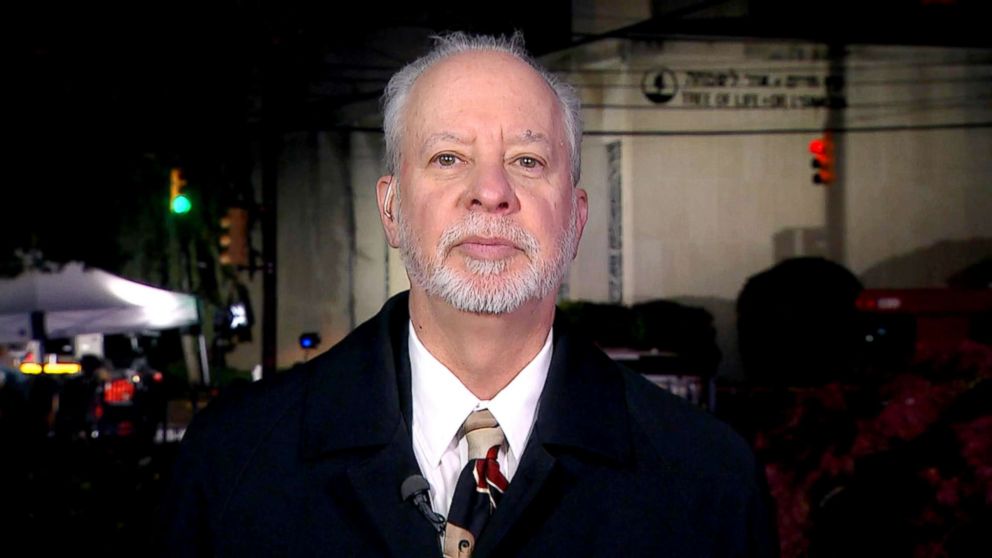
x=387, y=202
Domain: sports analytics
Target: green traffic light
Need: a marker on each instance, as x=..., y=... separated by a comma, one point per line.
x=181, y=205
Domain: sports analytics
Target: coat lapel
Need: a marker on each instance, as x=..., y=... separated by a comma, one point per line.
x=536, y=468
x=376, y=483
x=582, y=412
x=358, y=403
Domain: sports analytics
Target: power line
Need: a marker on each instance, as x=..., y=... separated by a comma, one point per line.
x=920, y=103
x=757, y=132
x=779, y=131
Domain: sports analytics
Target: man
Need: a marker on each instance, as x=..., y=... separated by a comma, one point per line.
x=363, y=450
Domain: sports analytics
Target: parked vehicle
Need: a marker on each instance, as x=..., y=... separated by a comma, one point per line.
x=129, y=402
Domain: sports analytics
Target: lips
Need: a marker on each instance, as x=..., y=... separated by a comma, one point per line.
x=486, y=247
x=483, y=237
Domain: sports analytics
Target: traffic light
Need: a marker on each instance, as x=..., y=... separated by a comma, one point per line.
x=822, y=149
x=234, y=243
x=179, y=202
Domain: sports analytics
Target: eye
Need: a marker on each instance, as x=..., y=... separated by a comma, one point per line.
x=528, y=162
x=446, y=160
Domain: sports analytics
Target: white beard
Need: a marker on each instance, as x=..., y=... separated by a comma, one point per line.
x=489, y=286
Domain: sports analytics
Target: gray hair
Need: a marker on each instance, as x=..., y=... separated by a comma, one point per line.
x=397, y=92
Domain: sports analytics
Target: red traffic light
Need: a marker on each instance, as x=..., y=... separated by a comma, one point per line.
x=822, y=149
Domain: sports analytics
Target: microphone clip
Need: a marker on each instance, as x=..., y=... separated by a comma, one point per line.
x=416, y=489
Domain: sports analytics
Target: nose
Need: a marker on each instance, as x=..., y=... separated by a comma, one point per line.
x=492, y=191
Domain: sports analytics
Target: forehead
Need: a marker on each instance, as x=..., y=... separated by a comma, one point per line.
x=482, y=93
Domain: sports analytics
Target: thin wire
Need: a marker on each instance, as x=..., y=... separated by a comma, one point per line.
x=777, y=131
x=755, y=132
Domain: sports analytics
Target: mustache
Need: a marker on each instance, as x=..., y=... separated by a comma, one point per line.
x=487, y=226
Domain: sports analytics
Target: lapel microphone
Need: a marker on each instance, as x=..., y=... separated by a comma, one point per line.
x=416, y=489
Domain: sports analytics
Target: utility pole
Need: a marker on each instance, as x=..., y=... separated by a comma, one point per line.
x=835, y=214
x=193, y=341
x=271, y=147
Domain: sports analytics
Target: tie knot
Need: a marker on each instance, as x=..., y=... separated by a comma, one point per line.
x=482, y=433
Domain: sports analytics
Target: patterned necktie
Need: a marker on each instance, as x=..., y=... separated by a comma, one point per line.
x=480, y=485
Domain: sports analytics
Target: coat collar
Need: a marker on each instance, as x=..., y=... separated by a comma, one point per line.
x=359, y=398
x=359, y=391
x=582, y=407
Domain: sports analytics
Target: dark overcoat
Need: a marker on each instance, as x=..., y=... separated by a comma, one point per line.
x=311, y=463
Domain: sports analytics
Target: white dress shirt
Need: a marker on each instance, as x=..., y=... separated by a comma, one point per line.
x=441, y=403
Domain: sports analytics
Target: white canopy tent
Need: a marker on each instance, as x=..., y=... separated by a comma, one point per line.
x=76, y=300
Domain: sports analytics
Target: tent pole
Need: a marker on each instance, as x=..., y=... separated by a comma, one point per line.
x=38, y=333
x=204, y=363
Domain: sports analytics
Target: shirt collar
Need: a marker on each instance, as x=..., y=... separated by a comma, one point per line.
x=441, y=402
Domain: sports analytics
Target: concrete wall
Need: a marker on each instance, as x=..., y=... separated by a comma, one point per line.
x=315, y=235
x=589, y=276
x=332, y=271
x=918, y=205
x=918, y=200
x=371, y=286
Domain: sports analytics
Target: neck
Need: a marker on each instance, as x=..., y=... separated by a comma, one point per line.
x=484, y=351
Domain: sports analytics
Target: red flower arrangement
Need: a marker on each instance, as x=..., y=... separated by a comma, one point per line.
x=902, y=467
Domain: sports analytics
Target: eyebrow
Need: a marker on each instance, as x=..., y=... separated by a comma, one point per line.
x=526, y=138
x=439, y=137
x=529, y=137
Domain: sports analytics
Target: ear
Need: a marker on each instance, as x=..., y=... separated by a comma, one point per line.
x=385, y=193
x=581, y=215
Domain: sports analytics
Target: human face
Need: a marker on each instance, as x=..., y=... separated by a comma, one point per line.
x=486, y=218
